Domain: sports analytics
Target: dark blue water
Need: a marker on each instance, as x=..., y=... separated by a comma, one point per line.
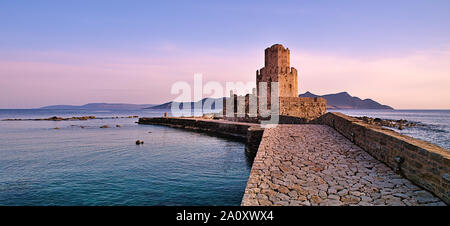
x=40, y=165
x=435, y=128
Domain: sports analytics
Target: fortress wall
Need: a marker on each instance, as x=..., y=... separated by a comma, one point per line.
x=221, y=127
x=292, y=110
x=250, y=133
x=308, y=108
x=425, y=164
x=287, y=83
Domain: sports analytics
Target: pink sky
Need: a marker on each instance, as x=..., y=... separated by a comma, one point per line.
x=415, y=80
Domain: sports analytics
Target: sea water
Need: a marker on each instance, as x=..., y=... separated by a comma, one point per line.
x=41, y=165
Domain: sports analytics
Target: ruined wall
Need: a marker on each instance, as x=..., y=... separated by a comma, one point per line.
x=308, y=108
x=425, y=164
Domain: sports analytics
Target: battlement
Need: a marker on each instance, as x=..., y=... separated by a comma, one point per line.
x=276, y=56
x=275, y=70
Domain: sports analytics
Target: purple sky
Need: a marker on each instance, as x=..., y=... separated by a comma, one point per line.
x=76, y=52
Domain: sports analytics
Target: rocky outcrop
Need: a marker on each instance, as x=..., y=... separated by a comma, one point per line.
x=81, y=118
x=398, y=124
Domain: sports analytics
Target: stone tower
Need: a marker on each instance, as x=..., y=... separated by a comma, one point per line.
x=277, y=69
x=291, y=107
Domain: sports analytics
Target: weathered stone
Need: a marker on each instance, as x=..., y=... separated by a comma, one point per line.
x=356, y=193
x=283, y=189
x=436, y=204
x=282, y=196
x=293, y=194
x=342, y=192
x=424, y=197
x=264, y=202
x=332, y=190
x=331, y=202
x=350, y=199
x=323, y=187
x=315, y=199
x=322, y=194
x=264, y=186
x=400, y=195
x=365, y=203
x=341, y=175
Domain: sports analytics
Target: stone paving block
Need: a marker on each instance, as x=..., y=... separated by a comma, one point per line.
x=315, y=165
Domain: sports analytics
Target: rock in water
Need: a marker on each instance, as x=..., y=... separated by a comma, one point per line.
x=104, y=126
x=139, y=142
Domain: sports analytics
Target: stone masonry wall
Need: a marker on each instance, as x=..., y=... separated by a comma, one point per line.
x=220, y=127
x=249, y=132
x=425, y=164
x=291, y=110
x=308, y=108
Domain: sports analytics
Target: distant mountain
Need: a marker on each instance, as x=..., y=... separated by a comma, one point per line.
x=99, y=106
x=168, y=105
x=343, y=100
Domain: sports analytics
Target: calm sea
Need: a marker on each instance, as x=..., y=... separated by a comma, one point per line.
x=41, y=165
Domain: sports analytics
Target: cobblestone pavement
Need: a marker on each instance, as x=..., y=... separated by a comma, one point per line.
x=315, y=165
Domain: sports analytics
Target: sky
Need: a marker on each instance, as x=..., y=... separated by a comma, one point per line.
x=78, y=52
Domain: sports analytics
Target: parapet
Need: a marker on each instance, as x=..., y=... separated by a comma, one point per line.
x=276, y=56
x=425, y=164
x=276, y=47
